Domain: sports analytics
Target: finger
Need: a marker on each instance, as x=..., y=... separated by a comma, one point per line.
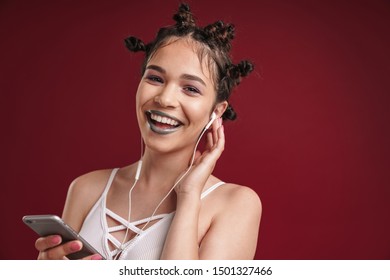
x=211, y=157
x=216, y=125
x=220, y=146
x=44, y=243
x=210, y=141
x=61, y=251
x=94, y=257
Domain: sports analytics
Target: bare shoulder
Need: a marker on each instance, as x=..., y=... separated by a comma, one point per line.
x=89, y=183
x=241, y=198
x=233, y=200
x=83, y=193
x=235, y=212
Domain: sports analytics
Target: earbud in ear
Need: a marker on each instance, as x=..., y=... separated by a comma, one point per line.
x=212, y=119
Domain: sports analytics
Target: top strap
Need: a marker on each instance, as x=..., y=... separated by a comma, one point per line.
x=212, y=188
x=110, y=180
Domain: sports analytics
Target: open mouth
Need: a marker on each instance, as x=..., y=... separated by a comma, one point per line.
x=162, y=123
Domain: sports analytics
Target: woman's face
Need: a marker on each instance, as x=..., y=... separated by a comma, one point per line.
x=175, y=98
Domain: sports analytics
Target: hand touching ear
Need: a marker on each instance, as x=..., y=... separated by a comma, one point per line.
x=204, y=162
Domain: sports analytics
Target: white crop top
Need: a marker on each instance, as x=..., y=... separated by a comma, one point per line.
x=147, y=245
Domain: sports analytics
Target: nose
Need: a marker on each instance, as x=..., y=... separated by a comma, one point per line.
x=167, y=97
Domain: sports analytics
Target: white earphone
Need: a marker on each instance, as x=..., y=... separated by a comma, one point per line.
x=212, y=119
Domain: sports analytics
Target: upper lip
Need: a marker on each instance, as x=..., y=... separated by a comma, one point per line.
x=164, y=115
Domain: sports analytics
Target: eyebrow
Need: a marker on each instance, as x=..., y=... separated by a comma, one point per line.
x=184, y=76
x=157, y=68
x=193, y=78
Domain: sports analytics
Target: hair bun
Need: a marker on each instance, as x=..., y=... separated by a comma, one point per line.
x=184, y=18
x=229, y=114
x=245, y=67
x=221, y=34
x=237, y=72
x=134, y=44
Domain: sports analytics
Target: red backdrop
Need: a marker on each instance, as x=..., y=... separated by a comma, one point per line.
x=312, y=136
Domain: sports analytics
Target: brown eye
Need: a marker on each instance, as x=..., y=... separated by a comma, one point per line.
x=154, y=78
x=191, y=90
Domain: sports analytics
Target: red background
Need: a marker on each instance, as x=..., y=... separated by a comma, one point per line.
x=312, y=136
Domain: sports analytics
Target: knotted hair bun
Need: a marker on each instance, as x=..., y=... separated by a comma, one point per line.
x=242, y=69
x=135, y=45
x=185, y=21
x=245, y=67
x=221, y=34
x=229, y=114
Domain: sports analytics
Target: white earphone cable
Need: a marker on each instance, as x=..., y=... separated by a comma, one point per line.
x=136, y=177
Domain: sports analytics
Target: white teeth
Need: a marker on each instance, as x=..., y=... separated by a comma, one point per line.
x=163, y=120
x=172, y=122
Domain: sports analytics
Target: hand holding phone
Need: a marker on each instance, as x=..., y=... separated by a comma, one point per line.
x=46, y=225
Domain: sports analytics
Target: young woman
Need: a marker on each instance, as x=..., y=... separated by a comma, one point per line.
x=169, y=205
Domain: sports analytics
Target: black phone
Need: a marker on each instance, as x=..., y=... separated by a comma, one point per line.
x=46, y=225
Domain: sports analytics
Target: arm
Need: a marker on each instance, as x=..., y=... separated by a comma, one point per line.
x=233, y=231
x=182, y=238
x=239, y=206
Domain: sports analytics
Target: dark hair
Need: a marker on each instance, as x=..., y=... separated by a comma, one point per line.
x=216, y=41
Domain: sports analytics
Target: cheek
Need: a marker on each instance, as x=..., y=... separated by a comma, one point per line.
x=198, y=112
x=142, y=95
x=138, y=94
x=140, y=102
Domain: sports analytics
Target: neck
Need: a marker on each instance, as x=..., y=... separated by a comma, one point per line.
x=162, y=170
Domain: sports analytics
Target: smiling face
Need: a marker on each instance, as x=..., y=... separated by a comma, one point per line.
x=175, y=97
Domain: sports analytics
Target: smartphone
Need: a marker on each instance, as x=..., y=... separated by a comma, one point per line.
x=46, y=225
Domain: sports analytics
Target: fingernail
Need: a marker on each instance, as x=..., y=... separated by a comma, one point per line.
x=55, y=240
x=223, y=128
x=75, y=246
x=220, y=121
x=96, y=257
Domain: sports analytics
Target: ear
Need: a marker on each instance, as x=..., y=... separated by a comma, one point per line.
x=220, y=108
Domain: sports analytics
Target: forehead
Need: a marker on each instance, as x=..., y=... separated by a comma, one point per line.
x=185, y=53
